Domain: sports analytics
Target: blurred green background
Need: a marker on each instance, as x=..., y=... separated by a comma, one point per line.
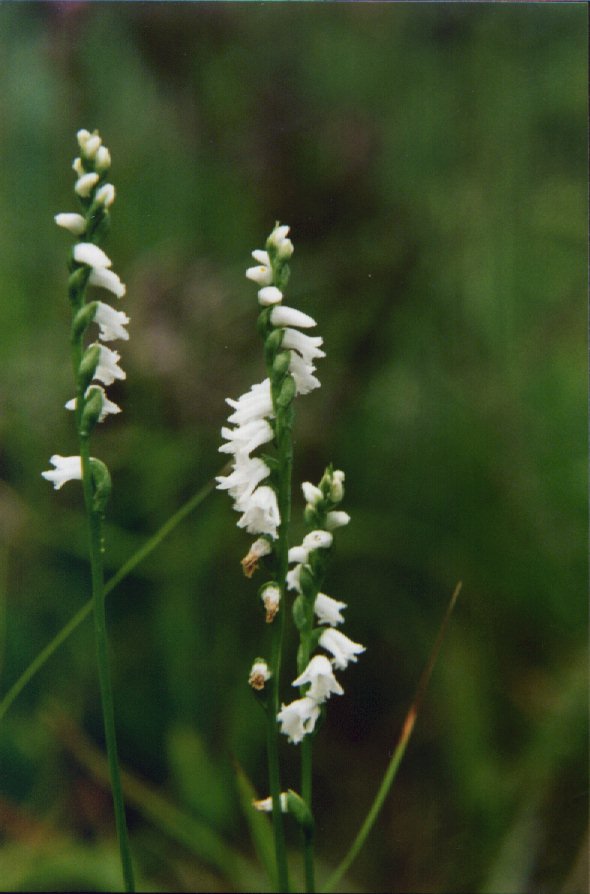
x=431, y=161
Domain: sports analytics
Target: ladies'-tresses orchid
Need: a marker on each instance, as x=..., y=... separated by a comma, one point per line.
x=317, y=676
x=255, y=412
x=299, y=718
x=89, y=266
x=98, y=362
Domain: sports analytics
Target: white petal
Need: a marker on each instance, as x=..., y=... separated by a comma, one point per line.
x=290, y=316
x=342, y=648
x=261, y=275
x=262, y=513
x=75, y=223
x=298, y=718
x=269, y=295
x=110, y=322
x=90, y=254
x=328, y=610
x=67, y=468
x=262, y=257
x=85, y=184
x=107, y=279
x=107, y=369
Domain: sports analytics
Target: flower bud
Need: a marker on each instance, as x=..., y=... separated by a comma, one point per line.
x=337, y=519
x=85, y=184
x=91, y=146
x=337, y=486
x=269, y=295
x=102, y=159
x=285, y=250
x=311, y=493
x=105, y=195
x=75, y=223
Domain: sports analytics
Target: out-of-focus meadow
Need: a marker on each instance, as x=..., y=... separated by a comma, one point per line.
x=431, y=161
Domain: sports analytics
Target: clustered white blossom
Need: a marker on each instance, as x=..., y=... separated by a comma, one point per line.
x=299, y=718
x=254, y=414
x=96, y=197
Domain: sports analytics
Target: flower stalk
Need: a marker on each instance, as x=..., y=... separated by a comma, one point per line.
x=90, y=266
x=261, y=489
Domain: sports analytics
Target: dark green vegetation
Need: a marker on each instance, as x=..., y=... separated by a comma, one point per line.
x=431, y=161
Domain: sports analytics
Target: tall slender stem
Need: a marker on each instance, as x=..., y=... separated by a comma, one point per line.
x=285, y=452
x=106, y=691
x=306, y=793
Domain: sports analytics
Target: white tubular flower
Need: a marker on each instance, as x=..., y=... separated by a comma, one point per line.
x=311, y=493
x=278, y=235
x=297, y=554
x=293, y=578
x=302, y=373
x=85, y=184
x=261, y=515
x=337, y=487
x=262, y=257
x=342, y=648
x=337, y=519
x=262, y=275
x=107, y=369
x=320, y=676
x=317, y=540
x=298, y=718
x=241, y=483
x=67, y=468
x=284, y=246
x=90, y=254
x=259, y=674
x=328, y=610
x=102, y=159
x=75, y=223
x=110, y=322
x=83, y=136
x=108, y=406
x=255, y=404
x=250, y=562
x=107, y=279
x=91, y=146
x=281, y=315
x=242, y=440
x=78, y=167
x=106, y=195
x=307, y=345
x=265, y=804
x=269, y=295
x=271, y=598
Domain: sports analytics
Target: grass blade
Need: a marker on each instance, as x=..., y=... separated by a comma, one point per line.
x=398, y=753
x=126, y=569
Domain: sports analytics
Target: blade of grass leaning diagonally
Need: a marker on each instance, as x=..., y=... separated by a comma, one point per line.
x=398, y=753
x=193, y=834
x=142, y=553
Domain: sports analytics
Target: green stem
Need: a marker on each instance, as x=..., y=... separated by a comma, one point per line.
x=285, y=452
x=142, y=553
x=106, y=692
x=306, y=794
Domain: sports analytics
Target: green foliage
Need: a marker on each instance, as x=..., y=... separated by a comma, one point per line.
x=431, y=161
